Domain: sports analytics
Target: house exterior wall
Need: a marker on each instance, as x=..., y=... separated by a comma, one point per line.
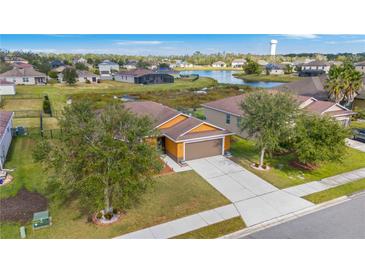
x=7, y=89
x=108, y=67
x=174, y=150
x=124, y=78
x=324, y=68
x=5, y=142
x=227, y=143
x=23, y=80
x=219, y=118
x=276, y=72
x=154, y=79
x=83, y=79
x=360, y=68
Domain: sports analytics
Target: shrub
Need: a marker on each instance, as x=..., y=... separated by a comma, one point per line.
x=99, y=215
x=53, y=74
x=115, y=211
x=52, y=81
x=108, y=215
x=47, y=106
x=87, y=81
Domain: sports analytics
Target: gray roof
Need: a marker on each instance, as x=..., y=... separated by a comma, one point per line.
x=22, y=72
x=107, y=62
x=360, y=64
x=85, y=73
x=317, y=63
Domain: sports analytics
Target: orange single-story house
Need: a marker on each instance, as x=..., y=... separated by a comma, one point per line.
x=183, y=137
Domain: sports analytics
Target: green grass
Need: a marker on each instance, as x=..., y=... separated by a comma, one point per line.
x=58, y=93
x=266, y=78
x=215, y=230
x=357, y=124
x=282, y=174
x=48, y=122
x=172, y=196
x=332, y=193
x=22, y=104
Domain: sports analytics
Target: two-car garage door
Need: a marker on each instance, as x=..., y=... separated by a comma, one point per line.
x=203, y=149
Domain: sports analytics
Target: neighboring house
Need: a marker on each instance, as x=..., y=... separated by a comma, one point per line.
x=106, y=69
x=24, y=76
x=79, y=61
x=131, y=65
x=21, y=65
x=181, y=136
x=360, y=66
x=56, y=63
x=238, y=63
x=174, y=73
x=313, y=87
x=6, y=123
x=11, y=60
x=227, y=112
x=262, y=63
x=183, y=64
x=275, y=69
x=219, y=64
x=143, y=76
x=83, y=76
x=59, y=69
x=314, y=68
x=7, y=88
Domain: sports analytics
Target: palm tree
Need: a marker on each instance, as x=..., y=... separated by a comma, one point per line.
x=344, y=83
x=353, y=82
x=334, y=84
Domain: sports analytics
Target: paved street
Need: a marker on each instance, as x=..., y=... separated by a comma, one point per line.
x=342, y=221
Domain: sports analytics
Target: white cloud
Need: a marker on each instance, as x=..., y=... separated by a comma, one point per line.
x=301, y=36
x=355, y=41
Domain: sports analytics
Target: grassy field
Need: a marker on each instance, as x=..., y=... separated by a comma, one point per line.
x=48, y=122
x=282, y=174
x=358, y=124
x=22, y=104
x=173, y=196
x=216, y=230
x=336, y=192
x=266, y=78
x=58, y=93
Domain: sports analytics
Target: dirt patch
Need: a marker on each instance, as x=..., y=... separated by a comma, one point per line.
x=302, y=166
x=21, y=207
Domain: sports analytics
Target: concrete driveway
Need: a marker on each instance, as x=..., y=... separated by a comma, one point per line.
x=355, y=144
x=255, y=199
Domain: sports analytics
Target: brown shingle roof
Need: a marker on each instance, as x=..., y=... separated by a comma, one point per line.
x=182, y=127
x=22, y=72
x=232, y=105
x=136, y=72
x=157, y=112
x=5, y=116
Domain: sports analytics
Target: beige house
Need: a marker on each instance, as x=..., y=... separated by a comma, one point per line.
x=24, y=76
x=219, y=64
x=360, y=66
x=227, y=113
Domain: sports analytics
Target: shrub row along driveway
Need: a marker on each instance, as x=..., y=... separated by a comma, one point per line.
x=256, y=200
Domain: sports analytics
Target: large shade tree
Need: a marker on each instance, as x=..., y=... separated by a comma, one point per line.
x=319, y=139
x=344, y=83
x=102, y=156
x=268, y=117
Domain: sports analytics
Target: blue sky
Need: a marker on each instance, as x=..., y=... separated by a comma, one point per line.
x=182, y=44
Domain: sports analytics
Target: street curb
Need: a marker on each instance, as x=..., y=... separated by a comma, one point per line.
x=283, y=219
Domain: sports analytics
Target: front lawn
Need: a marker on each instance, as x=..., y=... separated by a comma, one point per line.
x=173, y=196
x=332, y=193
x=216, y=230
x=282, y=174
x=22, y=104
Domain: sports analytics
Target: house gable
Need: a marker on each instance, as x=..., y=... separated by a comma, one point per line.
x=177, y=119
x=203, y=127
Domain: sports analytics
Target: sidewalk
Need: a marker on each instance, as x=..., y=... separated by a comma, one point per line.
x=185, y=224
x=326, y=183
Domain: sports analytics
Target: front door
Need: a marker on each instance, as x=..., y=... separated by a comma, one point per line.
x=161, y=144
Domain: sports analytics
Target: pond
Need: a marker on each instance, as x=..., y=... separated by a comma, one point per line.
x=226, y=77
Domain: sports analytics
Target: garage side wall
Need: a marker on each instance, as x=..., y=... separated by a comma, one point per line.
x=174, y=150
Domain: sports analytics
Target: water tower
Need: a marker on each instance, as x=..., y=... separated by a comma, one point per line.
x=273, y=44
